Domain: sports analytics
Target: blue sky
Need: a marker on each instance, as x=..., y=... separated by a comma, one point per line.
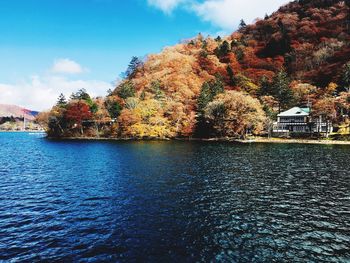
x=53, y=46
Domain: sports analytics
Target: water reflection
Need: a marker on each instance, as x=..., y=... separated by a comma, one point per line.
x=172, y=201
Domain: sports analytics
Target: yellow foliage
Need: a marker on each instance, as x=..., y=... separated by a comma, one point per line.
x=247, y=85
x=148, y=121
x=331, y=89
x=234, y=113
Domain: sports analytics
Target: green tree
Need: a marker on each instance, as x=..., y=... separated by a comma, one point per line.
x=80, y=95
x=281, y=90
x=218, y=39
x=143, y=95
x=126, y=90
x=231, y=75
x=347, y=2
x=114, y=108
x=109, y=92
x=133, y=67
x=265, y=87
x=83, y=95
x=156, y=89
x=346, y=77
x=205, y=45
x=223, y=49
x=93, y=108
x=242, y=25
x=285, y=43
x=208, y=92
x=239, y=53
x=61, y=101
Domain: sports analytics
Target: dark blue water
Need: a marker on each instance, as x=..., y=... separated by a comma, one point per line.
x=172, y=201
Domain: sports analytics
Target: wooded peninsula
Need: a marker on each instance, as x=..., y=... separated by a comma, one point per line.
x=230, y=86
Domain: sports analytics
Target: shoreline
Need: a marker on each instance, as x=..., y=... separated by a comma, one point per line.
x=254, y=140
x=299, y=141
x=27, y=131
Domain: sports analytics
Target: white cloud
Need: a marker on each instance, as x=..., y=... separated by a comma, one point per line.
x=167, y=6
x=224, y=14
x=66, y=65
x=41, y=92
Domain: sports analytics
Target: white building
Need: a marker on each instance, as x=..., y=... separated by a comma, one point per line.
x=299, y=120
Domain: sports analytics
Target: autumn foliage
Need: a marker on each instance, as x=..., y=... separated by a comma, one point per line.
x=226, y=86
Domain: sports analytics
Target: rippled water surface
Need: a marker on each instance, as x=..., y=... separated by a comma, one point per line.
x=172, y=201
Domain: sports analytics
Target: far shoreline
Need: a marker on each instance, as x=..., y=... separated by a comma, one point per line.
x=27, y=131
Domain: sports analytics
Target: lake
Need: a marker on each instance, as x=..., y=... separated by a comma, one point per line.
x=172, y=201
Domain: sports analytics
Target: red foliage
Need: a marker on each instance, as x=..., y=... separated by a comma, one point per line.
x=296, y=34
x=77, y=112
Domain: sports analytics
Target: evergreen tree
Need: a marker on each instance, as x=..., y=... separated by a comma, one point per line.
x=208, y=92
x=265, y=87
x=281, y=90
x=191, y=43
x=231, y=76
x=134, y=65
x=114, y=110
x=157, y=90
x=346, y=77
x=93, y=108
x=223, y=49
x=61, y=101
x=143, y=95
x=109, y=92
x=285, y=45
x=239, y=53
x=83, y=95
x=80, y=95
x=242, y=25
x=218, y=39
x=234, y=43
x=126, y=90
x=204, y=45
x=347, y=2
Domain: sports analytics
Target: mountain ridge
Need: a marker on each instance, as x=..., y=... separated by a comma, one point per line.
x=7, y=110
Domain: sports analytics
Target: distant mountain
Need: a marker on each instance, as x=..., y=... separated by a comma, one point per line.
x=16, y=112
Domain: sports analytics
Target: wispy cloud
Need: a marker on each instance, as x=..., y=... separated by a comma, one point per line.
x=67, y=66
x=167, y=6
x=225, y=14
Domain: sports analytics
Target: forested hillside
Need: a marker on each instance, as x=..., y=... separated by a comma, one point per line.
x=225, y=86
x=11, y=118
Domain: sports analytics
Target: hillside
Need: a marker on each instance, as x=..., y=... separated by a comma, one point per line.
x=311, y=37
x=16, y=112
x=11, y=118
x=226, y=86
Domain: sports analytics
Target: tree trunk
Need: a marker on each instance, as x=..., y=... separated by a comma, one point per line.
x=59, y=126
x=97, y=130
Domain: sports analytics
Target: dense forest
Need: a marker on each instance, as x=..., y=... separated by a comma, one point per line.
x=227, y=86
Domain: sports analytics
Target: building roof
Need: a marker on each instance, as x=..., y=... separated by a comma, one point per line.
x=296, y=111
